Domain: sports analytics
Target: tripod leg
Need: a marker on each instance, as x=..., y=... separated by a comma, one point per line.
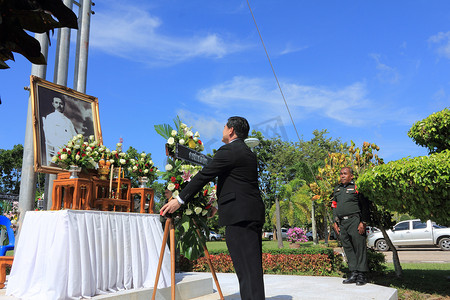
x=211, y=267
x=172, y=258
x=161, y=255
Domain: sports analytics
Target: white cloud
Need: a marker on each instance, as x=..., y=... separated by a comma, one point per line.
x=259, y=99
x=262, y=99
x=386, y=73
x=133, y=33
x=442, y=41
x=291, y=49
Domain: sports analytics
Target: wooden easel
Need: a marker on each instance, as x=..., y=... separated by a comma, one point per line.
x=169, y=227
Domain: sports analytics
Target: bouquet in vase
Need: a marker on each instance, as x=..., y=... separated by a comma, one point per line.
x=77, y=152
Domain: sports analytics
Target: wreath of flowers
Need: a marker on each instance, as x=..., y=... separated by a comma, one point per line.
x=193, y=215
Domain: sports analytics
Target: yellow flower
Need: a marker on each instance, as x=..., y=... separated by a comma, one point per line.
x=191, y=144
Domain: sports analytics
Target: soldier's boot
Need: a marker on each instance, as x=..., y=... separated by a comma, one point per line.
x=352, y=278
x=361, y=279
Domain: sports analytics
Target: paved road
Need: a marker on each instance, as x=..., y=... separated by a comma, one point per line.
x=420, y=255
x=417, y=255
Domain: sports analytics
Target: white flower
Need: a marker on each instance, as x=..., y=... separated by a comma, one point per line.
x=169, y=167
x=122, y=154
x=171, y=186
x=130, y=169
x=119, y=145
x=175, y=194
x=107, y=150
x=195, y=138
x=145, y=171
x=183, y=125
x=91, y=137
x=181, y=141
x=92, y=145
x=197, y=134
x=76, y=146
x=142, y=159
x=150, y=162
x=189, y=133
x=111, y=161
x=69, y=144
x=188, y=212
x=80, y=136
x=143, y=154
x=204, y=212
x=132, y=160
x=77, y=157
x=170, y=141
x=86, y=143
x=122, y=161
x=135, y=168
x=63, y=156
x=198, y=210
x=75, y=138
x=174, y=133
x=88, y=149
x=54, y=158
x=114, y=152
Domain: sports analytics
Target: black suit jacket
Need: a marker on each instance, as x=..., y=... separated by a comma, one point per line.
x=237, y=189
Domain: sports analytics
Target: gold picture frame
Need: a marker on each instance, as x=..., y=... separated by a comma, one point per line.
x=59, y=112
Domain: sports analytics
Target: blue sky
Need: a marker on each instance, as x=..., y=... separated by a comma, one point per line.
x=363, y=70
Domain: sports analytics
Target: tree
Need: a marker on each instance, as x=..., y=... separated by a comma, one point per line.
x=16, y=16
x=417, y=186
x=433, y=132
x=11, y=169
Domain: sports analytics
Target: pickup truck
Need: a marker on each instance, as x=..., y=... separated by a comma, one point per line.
x=269, y=235
x=412, y=233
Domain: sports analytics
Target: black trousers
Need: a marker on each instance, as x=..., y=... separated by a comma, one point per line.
x=354, y=245
x=244, y=241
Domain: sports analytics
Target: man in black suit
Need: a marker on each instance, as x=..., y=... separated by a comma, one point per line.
x=241, y=208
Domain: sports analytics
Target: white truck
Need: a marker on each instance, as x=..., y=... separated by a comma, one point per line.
x=269, y=235
x=412, y=233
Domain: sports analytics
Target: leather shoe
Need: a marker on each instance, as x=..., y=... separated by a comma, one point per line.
x=361, y=279
x=352, y=278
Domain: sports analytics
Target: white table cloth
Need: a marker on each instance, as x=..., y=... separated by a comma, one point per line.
x=71, y=254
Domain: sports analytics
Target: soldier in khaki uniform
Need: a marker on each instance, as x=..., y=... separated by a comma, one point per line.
x=351, y=214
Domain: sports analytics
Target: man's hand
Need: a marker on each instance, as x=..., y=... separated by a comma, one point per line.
x=170, y=207
x=361, y=228
x=336, y=227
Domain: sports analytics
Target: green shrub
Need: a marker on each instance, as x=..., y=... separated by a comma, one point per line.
x=306, y=261
x=376, y=261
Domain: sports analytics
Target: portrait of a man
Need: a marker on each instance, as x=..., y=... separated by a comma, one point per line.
x=61, y=113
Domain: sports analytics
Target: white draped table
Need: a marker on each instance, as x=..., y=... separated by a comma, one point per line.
x=71, y=254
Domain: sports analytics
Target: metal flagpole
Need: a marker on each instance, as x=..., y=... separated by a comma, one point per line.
x=28, y=178
x=59, y=77
x=81, y=56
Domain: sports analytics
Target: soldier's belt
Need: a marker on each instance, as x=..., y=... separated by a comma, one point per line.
x=349, y=216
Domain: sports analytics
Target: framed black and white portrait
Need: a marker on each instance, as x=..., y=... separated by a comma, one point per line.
x=59, y=113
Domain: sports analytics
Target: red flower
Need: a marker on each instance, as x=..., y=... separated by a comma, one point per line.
x=69, y=152
x=64, y=150
x=205, y=192
x=83, y=155
x=199, y=142
x=173, y=179
x=151, y=170
x=177, y=186
x=59, y=153
x=333, y=204
x=140, y=170
x=208, y=206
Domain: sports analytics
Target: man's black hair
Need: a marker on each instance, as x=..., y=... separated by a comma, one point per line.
x=349, y=169
x=240, y=125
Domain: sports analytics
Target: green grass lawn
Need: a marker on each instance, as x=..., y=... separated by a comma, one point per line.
x=419, y=281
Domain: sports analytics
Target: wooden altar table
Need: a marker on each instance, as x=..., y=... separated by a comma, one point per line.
x=144, y=192
x=69, y=254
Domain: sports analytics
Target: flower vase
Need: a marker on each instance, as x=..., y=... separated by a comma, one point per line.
x=74, y=170
x=143, y=181
x=294, y=245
